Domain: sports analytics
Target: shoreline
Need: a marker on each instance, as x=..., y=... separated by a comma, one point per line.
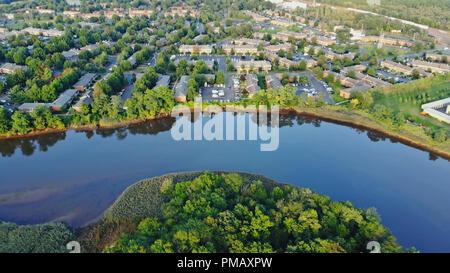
x=398, y=136
x=319, y=113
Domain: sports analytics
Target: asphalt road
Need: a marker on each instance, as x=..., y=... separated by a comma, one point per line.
x=129, y=89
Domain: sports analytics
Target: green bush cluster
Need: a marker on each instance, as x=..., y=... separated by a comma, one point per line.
x=233, y=213
x=45, y=238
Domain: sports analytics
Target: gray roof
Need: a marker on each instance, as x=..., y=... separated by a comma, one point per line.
x=86, y=98
x=357, y=88
x=273, y=81
x=12, y=67
x=65, y=97
x=31, y=106
x=181, y=87
x=132, y=59
x=163, y=80
x=85, y=80
x=70, y=53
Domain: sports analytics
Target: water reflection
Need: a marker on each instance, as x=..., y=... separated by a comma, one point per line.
x=28, y=145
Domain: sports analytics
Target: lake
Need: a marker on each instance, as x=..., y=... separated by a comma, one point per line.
x=75, y=176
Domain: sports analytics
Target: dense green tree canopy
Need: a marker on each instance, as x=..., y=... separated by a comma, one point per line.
x=228, y=213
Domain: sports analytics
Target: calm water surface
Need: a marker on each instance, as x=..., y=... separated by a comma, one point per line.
x=75, y=176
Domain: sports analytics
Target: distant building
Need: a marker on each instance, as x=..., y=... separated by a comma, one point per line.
x=276, y=48
x=181, y=89
x=71, y=55
x=358, y=68
x=89, y=25
x=182, y=11
x=357, y=35
x=433, y=67
x=163, y=80
x=90, y=48
x=71, y=13
x=438, y=109
x=240, y=49
x=132, y=59
x=29, y=107
x=397, y=67
x=259, y=35
x=286, y=35
x=293, y=5
x=84, y=82
x=8, y=68
x=272, y=81
x=43, y=32
x=387, y=41
x=437, y=57
x=322, y=40
x=247, y=66
x=64, y=99
x=253, y=42
x=139, y=12
x=195, y=49
x=86, y=98
x=282, y=22
x=44, y=11
x=252, y=87
x=369, y=80
x=255, y=16
x=347, y=93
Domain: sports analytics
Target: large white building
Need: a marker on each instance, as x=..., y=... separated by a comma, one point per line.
x=293, y=5
x=438, y=109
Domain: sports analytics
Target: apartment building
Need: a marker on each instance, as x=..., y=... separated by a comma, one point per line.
x=282, y=22
x=240, y=49
x=248, y=41
x=433, y=67
x=396, y=67
x=322, y=40
x=247, y=66
x=286, y=35
x=436, y=57
x=255, y=16
x=43, y=32
x=251, y=82
x=386, y=40
x=8, y=68
x=196, y=49
x=139, y=12
x=276, y=48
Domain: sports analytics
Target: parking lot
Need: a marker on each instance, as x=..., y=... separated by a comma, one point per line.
x=315, y=87
x=387, y=75
x=219, y=94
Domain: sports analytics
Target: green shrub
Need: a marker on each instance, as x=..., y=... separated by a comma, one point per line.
x=45, y=238
x=219, y=212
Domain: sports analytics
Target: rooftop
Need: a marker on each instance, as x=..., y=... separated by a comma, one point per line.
x=65, y=97
x=85, y=80
x=181, y=87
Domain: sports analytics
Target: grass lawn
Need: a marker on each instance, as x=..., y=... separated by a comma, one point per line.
x=385, y=51
x=410, y=103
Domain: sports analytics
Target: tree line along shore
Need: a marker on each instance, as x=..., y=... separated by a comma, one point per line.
x=392, y=110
